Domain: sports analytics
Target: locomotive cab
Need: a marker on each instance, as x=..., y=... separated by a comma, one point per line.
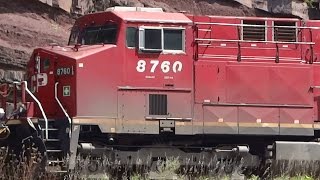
x=149, y=59
x=125, y=71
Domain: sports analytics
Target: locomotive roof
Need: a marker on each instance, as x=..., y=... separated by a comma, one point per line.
x=82, y=52
x=153, y=17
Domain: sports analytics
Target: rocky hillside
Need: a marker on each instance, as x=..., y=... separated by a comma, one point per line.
x=27, y=24
x=212, y=7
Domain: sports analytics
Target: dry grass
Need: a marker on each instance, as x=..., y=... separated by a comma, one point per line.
x=103, y=168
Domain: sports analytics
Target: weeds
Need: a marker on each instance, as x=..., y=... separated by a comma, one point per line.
x=102, y=168
x=309, y=3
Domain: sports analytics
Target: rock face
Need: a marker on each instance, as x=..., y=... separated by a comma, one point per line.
x=27, y=24
x=212, y=7
x=283, y=7
x=286, y=7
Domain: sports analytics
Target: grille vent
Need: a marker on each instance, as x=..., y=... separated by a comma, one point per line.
x=285, y=34
x=158, y=104
x=254, y=31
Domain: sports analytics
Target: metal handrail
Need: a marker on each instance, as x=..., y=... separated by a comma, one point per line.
x=61, y=106
x=253, y=25
x=254, y=41
x=248, y=41
x=40, y=107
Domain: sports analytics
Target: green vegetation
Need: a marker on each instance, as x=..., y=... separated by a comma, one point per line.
x=294, y=178
x=309, y=3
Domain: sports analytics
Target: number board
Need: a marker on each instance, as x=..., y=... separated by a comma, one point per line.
x=64, y=71
x=164, y=66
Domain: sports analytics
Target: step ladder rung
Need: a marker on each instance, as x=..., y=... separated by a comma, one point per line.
x=50, y=140
x=58, y=171
x=55, y=161
x=54, y=150
x=47, y=119
x=50, y=129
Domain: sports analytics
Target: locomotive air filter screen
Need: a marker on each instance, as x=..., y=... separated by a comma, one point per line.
x=158, y=104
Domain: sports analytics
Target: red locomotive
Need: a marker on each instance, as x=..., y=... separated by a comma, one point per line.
x=139, y=83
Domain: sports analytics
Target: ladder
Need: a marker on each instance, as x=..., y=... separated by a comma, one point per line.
x=57, y=144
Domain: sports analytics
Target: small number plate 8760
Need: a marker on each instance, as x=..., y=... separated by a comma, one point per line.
x=64, y=71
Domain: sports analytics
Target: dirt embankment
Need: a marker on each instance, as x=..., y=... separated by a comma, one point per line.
x=27, y=24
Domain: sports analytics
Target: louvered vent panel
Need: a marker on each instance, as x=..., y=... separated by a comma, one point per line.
x=253, y=30
x=158, y=104
x=285, y=34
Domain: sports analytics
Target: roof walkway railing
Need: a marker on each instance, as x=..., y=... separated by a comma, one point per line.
x=207, y=41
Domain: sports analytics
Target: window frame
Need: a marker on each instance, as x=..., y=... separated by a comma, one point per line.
x=141, y=40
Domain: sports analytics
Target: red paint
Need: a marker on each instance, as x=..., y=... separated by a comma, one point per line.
x=255, y=88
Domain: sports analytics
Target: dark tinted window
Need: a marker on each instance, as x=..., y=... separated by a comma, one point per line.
x=152, y=39
x=131, y=35
x=100, y=34
x=46, y=64
x=173, y=39
x=74, y=37
x=91, y=35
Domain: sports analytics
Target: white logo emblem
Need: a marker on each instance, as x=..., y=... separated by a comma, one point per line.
x=66, y=90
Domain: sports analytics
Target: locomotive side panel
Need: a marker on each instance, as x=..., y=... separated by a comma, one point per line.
x=98, y=76
x=167, y=67
x=313, y=52
x=255, y=95
x=267, y=84
x=158, y=69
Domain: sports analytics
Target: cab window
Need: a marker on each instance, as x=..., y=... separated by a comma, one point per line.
x=74, y=36
x=131, y=35
x=100, y=35
x=173, y=39
x=161, y=39
x=46, y=64
x=152, y=39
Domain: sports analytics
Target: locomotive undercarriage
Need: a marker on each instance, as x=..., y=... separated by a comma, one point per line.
x=196, y=155
x=119, y=154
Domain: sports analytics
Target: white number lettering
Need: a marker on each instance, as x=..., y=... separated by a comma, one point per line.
x=141, y=66
x=177, y=66
x=165, y=66
x=154, y=65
